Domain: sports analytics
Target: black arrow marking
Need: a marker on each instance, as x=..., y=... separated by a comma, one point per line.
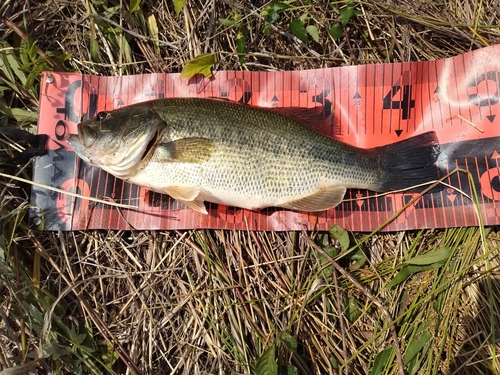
x=491, y=117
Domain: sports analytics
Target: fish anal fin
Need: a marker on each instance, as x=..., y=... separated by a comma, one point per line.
x=188, y=196
x=185, y=193
x=196, y=205
x=323, y=199
x=187, y=150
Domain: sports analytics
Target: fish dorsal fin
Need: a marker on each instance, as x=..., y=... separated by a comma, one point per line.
x=323, y=199
x=306, y=114
x=310, y=117
x=187, y=195
x=187, y=150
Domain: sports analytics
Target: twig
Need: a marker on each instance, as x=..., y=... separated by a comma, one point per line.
x=76, y=195
x=134, y=34
x=24, y=36
x=338, y=305
x=371, y=297
x=471, y=124
x=103, y=329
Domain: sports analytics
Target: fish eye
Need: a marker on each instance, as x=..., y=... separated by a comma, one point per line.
x=101, y=116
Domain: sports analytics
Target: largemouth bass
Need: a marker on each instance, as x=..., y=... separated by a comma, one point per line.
x=198, y=150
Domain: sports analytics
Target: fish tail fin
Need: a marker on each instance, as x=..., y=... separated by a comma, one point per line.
x=410, y=162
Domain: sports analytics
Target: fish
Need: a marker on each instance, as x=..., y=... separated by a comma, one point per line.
x=200, y=150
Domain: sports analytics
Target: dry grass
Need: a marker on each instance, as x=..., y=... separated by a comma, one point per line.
x=213, y=302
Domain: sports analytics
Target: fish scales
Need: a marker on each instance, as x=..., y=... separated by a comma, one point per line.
x=261, y=153
x=215, y=150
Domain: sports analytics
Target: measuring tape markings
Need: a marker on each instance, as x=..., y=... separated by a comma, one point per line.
x=399, y=101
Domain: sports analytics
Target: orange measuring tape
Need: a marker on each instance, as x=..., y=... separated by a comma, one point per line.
x=366, y=106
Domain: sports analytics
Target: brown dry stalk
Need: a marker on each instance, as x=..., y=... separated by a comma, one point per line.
x=24, y=36
x=103, y=329
x=369, y=295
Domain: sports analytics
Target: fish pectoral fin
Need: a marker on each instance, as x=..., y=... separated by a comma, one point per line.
x=323, y=199
x=188, y=196
x=187, y=150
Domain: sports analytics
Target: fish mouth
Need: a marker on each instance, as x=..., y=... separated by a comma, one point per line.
x=76, y=144
x=87, y=135
x=121, y=156
x=72, y=139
